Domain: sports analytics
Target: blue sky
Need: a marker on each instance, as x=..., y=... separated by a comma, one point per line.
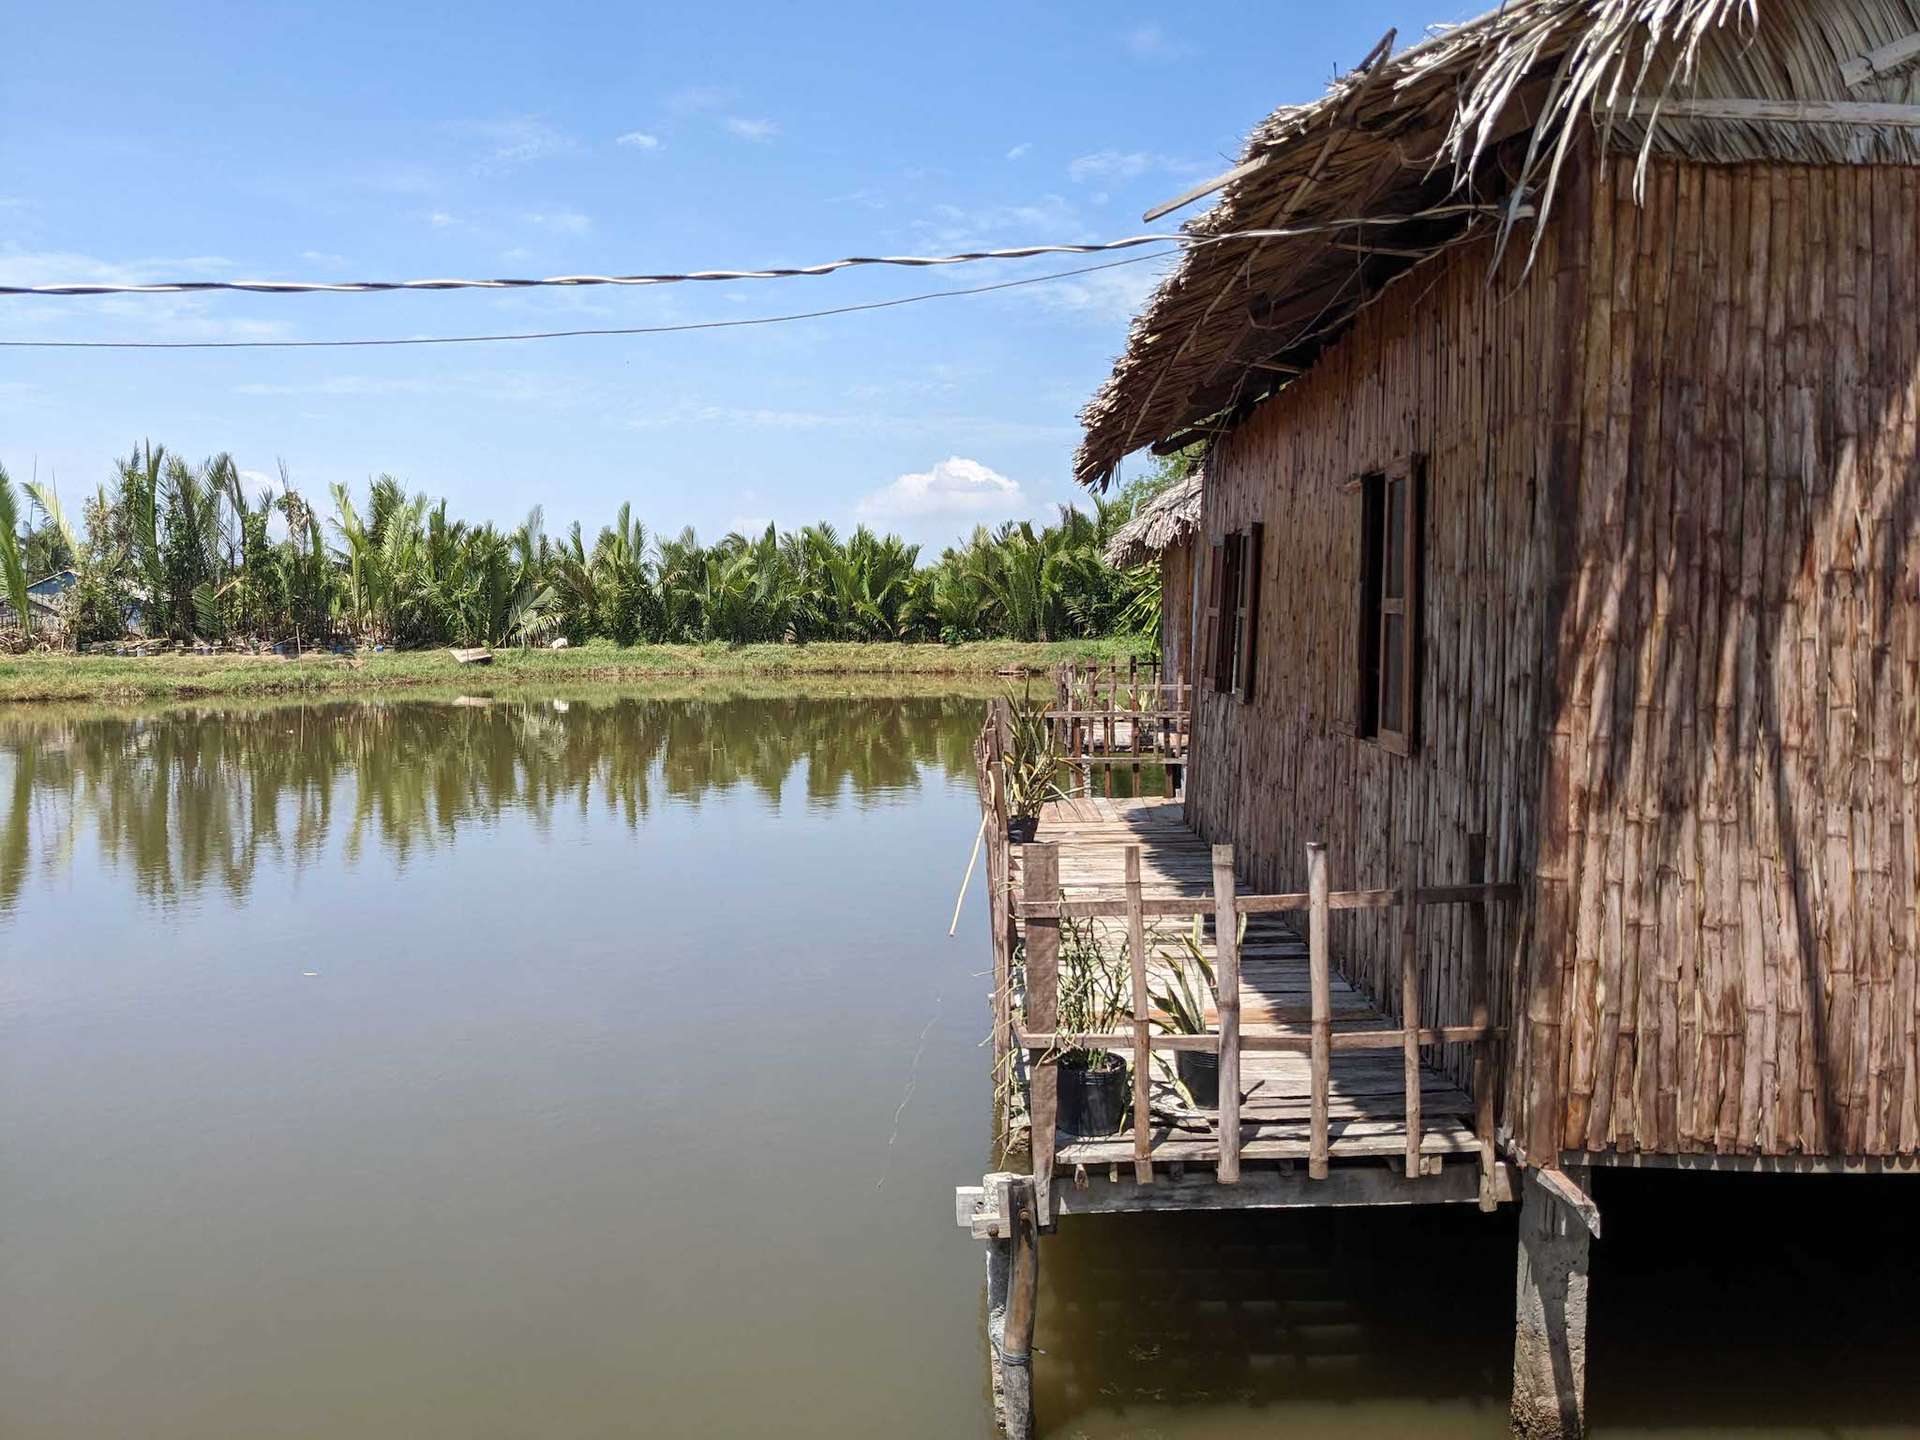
x=393, y=141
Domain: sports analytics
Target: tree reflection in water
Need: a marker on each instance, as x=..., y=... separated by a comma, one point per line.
x=189, y=798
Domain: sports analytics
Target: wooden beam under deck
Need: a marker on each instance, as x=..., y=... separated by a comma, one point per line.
x=1282, y=1190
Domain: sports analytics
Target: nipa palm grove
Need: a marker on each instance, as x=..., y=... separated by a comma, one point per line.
x=184, y=551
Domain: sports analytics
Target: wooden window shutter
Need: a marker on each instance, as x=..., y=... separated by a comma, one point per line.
x=1391, y=569
x=1210, y=624
x=1248, y=620
x=1366, y=689
x=1225, y=639
x=1416, y=525
x=1398, y=711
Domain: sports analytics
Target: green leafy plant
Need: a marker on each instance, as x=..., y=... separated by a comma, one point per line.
x=1189, y=986
x=1095, y=995
x=1033, y=760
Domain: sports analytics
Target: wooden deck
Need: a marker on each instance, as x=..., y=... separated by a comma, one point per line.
x=1367, y=1104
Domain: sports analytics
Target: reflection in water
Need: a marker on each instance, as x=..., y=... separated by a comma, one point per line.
x=186, y=799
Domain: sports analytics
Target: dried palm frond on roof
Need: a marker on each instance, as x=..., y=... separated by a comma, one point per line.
x=1166, y=519
x=1467, y=134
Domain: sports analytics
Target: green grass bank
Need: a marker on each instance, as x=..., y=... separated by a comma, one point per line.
x=26, y=678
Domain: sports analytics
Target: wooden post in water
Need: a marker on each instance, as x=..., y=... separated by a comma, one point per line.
x=1320, y=982
x=1013, y=1293
x=1042, y=862
x=1227, y=972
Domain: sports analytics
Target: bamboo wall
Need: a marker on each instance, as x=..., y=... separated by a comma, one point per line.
x=1672, y=655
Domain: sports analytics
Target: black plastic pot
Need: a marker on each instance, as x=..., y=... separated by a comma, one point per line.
x=1093, y=1102
x=1021, y=828
x=1199, y=1071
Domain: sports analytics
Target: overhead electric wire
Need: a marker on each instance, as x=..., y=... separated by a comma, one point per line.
x=1175, y=243
x=682, y=327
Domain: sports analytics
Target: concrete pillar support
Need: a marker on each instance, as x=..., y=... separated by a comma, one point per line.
x=1550, y=1313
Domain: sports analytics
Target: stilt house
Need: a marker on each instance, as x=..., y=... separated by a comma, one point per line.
x=1562, y=486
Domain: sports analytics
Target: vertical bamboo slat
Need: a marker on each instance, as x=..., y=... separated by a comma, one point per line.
x=1480, y=1015
x=1320, y=988
x=1410, y=1004
x=1142, y=1031
x=1227, y=973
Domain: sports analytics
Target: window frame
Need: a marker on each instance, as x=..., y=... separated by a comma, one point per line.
x=1233, y=612
x=1391, y=496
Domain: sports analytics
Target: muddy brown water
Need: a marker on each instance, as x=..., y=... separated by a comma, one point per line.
x=600, y=1066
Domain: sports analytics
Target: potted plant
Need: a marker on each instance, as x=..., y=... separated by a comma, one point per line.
x=1181, y=1005
x=1032, y=767
x=1094, y=1000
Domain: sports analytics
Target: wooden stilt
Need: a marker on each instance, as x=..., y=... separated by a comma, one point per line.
x=1013, y=1292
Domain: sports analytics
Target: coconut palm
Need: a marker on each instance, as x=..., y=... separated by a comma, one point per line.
x=13, y=573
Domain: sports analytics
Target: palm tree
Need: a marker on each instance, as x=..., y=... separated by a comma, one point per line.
x=13, y=573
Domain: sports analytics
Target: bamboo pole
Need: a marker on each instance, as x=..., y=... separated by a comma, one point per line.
x=1227, y=972
x=973, y=858
x=1410, y=1002
x=1321, y=985
x=1142, y=1033
x=1479, y=988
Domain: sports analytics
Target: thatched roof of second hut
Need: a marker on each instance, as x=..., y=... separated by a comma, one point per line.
x=1166, y=519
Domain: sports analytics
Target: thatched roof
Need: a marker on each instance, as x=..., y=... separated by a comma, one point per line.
x=1458, y=137
x=1165, y=520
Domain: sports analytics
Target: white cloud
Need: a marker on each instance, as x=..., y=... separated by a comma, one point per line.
x=1108, y=297
x=1124, y=165
x=956, y=486
x=952, y=228
x=561, y=222
x=638, y=140
x=512, y=143
x=689, y=98
x=1019, y=150
x=758, y=131
x=506, y=387
x=863, y=421
x=259, y=482
x=322, y=257
x=440, y=220
x=1150, y=42
x=175, y=317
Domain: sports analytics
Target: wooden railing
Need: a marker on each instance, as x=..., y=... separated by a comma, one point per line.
x=989, y=756
x=1106, y=717
x=1042, y=907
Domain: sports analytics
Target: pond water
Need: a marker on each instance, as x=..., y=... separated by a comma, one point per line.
x=601, y=1066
